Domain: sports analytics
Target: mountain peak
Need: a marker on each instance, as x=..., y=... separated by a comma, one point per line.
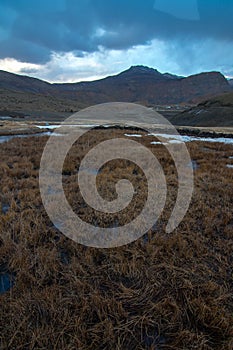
x=138, y=84
x=140, y=71
x=143, y=69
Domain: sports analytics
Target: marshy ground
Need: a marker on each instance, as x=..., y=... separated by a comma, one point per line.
x=164, y=291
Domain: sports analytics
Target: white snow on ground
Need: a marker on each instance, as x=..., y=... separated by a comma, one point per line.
x=48, y=126
x=55, y=126
x=133, y=135
x=168, y=138
x=157, y=143
x=185, y=138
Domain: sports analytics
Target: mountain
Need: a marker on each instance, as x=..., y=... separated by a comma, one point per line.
x=137, y=84
x=23, y=83
x=230, y=81
x=148, y=86
x=217, y=111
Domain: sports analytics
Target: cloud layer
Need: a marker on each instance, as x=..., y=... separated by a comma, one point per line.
x=45, y=32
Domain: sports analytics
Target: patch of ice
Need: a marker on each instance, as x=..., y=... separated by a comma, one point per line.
x=185, y=138
x=85, y=125
x=165, y=136
x=48, y=126
x=227, y=141
x=157, y=143
x=175, y=141
x=10, y=137
x=133, y=135
x=5, y=117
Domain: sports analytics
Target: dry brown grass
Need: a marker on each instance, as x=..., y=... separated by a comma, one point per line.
x=164, y=291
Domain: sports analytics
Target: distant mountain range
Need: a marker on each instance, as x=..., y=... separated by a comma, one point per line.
x=147, y=86
x=138, y=84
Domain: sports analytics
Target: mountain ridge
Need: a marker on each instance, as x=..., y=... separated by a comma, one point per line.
x=138, y=84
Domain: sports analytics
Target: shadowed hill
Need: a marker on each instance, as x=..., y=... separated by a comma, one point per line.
x=217, y=111
x=23, y=83
x=138, y=84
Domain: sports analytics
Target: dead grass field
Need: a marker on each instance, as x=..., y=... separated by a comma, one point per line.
x=164, y=291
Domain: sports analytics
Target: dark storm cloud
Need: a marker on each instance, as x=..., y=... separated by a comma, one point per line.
x=30, y=30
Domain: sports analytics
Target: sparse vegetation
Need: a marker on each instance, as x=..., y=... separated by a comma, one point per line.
x=164, y=291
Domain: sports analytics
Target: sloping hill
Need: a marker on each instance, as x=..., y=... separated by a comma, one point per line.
x=138, y=84
x=23, y=83
x=217, y=111
x=148, y=86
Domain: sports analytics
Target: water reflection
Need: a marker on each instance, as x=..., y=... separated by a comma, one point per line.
x=6, y=282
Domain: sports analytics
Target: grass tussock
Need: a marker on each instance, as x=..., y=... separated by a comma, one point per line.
x=164, y=291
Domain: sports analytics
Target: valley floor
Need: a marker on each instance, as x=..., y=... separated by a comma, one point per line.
x=164, y=291
x=14, y=127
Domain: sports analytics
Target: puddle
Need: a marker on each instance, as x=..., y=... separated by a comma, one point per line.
x=5, y=117
x=6, y=282
x=64, y=257
x=55, y=126
x=154, y=340
x=170, y=138
x=10, y=137
x=48, y=126
x=230, y=166
x=5, y=208
x=227, y=141
x=193, y=164
x=145, y=238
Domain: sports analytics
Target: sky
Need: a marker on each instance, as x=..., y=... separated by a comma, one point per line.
x=79, y=40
